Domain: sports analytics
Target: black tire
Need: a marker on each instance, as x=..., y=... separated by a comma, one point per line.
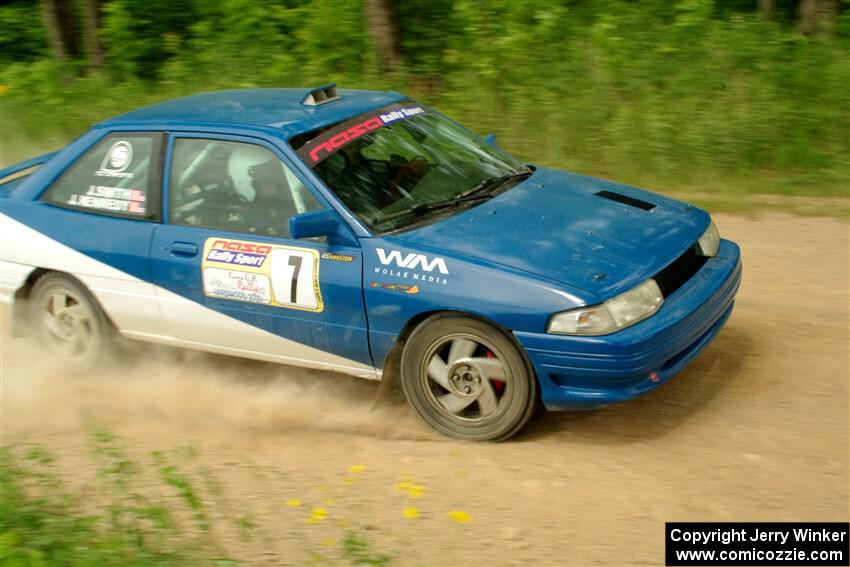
x=488, y=391
x=70, y=322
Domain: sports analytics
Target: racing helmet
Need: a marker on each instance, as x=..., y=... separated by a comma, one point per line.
x=250, y=164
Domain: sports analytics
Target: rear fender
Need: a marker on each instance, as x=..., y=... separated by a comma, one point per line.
x=16, y=281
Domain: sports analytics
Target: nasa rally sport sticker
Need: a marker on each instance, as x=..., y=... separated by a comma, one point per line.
x=262, y=273
x=329, y=142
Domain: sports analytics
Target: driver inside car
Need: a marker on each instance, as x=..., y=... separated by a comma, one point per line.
x=260, y=182
x=376, y=184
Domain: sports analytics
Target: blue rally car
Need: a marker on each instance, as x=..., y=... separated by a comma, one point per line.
x=364, y=233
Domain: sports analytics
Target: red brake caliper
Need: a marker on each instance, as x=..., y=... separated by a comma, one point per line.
x=498, y=385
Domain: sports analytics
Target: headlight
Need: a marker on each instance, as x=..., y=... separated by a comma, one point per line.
x=617, y=313
x=709, y=242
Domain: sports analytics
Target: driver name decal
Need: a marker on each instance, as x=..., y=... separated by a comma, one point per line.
x=327, y=143
x=113, y=199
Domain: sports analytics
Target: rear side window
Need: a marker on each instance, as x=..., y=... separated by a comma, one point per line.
x=119, y=176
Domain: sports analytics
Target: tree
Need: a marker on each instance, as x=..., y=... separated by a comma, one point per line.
x=815, y=16
x=59, y=25
x=91, y=27
x=381, y=23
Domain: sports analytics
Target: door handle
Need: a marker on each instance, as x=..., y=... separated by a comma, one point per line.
x=185, y=249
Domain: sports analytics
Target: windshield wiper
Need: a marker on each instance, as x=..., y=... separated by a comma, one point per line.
x=493, y=182
x=432, y=206
x=474, y=194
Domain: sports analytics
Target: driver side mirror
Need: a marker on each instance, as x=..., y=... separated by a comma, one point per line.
x=491, y=139
x=320, y=223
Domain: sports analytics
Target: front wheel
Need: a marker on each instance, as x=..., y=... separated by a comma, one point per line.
x=70, y=321
x=467, y=379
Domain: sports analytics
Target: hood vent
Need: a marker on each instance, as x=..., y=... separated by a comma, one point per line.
x=631, y=201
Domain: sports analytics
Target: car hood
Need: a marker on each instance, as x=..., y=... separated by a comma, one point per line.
x=557, y=226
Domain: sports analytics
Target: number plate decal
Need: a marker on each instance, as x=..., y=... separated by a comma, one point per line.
x=262, y=273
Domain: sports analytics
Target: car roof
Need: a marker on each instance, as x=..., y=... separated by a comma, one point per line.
x=279, y=109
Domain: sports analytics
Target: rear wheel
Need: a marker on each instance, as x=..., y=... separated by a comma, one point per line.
x=467, y=379
x=70, y=321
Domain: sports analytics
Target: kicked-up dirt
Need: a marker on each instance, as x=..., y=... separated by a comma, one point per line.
x=288, y=461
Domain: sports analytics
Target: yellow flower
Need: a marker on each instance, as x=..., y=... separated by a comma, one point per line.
x=460, y=517
x=294, y=502
x=416, y=491
x=410, y=513
x=4, y=88
x=356, y=469
x=317, y=515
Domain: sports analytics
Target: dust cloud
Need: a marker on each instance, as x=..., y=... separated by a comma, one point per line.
x=203, y=395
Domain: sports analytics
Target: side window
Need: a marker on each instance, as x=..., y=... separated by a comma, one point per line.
x=234, y=186
x=120, y=176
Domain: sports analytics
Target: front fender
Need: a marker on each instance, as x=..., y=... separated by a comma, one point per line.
x=401, y=283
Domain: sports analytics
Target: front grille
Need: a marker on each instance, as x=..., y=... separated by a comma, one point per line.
x=680, y=271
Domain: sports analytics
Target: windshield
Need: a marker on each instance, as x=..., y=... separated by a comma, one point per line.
x=404, y=158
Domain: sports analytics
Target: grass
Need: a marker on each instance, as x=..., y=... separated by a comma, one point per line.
x=42, y=524
x=124, y=520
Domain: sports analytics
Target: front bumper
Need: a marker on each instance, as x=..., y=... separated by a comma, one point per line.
x=577, y=373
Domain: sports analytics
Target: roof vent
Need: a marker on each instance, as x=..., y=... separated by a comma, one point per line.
x=626, y=200
x=321, y=95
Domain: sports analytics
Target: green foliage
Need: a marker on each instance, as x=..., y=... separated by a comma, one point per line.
x=21, y=35
x=673, y=94
x=137, y=35
x=42, y=525
x=359, y=552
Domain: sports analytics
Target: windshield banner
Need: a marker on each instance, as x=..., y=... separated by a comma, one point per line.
x=329, y=142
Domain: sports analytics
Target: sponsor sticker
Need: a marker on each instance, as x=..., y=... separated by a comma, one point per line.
x=337, y=257
x=262, y=273
x=414, y=267
x=117, y=160
x=239, y=286
x=329, y=142
x=402, y=288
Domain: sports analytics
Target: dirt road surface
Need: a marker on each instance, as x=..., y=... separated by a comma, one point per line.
x=755, y=429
